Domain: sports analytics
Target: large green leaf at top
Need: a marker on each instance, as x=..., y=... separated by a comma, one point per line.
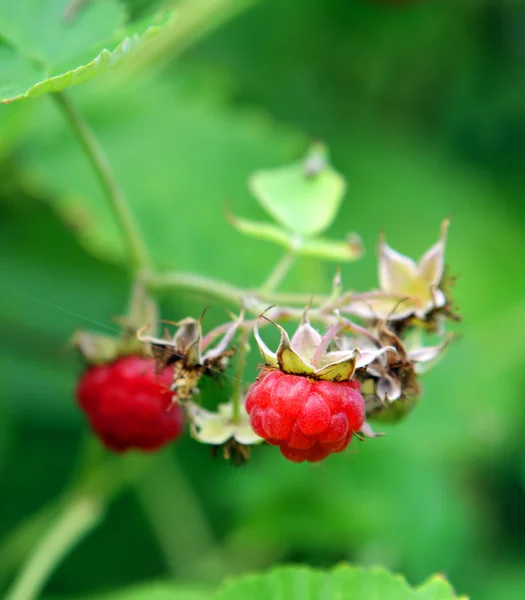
x=46, y=48
x=303, y=197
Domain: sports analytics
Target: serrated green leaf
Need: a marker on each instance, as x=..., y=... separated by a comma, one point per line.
x=47, y=51
x=342, y=583
x=436, y=588
x=303, y=197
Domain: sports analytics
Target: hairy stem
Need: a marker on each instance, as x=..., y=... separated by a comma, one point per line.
x=254, y=301
x=238, y=379
x=279, y=273
x=136, y=247
x=199, y=284
x=79, y=517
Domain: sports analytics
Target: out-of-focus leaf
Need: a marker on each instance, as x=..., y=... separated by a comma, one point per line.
x=49, y=47
x=343, y=583
x=48, y=290
x=153, y=591
x=262, y=231
x=338, y=251
x=178, y=159
x=316, y=247
x=304, y=197
x=297, y=583
x=436, y=588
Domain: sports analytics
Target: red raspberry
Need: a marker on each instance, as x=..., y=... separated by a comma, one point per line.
x=307, y=418
x=128, y=404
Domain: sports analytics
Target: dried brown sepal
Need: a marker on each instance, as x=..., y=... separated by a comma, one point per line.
x=186, y=351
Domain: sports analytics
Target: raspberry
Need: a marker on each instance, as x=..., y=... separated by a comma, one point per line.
x=128, y=404
x=307, y=418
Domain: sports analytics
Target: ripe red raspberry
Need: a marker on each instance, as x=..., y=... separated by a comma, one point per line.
x=128, y=404
x=307, y=418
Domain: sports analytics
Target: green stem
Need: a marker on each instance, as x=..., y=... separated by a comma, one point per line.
x=79, y=517
x=199, y=284
x=176, y=516
x=97, y=157
x=238, y=379
x=279, y=273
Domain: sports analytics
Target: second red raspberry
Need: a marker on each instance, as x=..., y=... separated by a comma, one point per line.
x=129, y=406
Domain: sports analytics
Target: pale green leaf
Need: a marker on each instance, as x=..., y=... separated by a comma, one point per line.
x=262, y=231
x=317, y=247
x=47, y=51
x=338, y=251
x=342, y=583
x=303, y=200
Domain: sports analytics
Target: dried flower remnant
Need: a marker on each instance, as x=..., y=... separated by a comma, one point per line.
x=407, y=288
x=186, y=351
x=222, y=430
x=390, y=383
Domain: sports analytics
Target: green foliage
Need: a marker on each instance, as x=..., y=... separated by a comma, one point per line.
x=311, y=246
x=49, y=47
x=422, y=126
x=343, y=583
x=303, y=197
x=171, y=155
x=300, y=583
x=156, y=591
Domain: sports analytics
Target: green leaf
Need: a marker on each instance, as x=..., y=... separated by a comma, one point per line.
x=155, y=591
x=262, y=231
x=338, y=251
x=177, y=164
x=298, y=583
x=47, y=51
x=343, y=582
x=303, y=197
x=436, y=588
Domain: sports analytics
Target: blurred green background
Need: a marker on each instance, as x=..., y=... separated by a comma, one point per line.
x=422, y=106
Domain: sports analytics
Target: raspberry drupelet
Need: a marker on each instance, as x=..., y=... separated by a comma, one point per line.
x=307, y=418
x=129, y=405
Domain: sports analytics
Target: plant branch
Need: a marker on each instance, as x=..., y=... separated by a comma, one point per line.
x=253, y=301
x=79, y=517
x=136, y=247
x=175, y=280
x=279, y=273
x=238, y=379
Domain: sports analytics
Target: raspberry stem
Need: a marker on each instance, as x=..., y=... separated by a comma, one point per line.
x=279, y=272
x=78, y=518
x=254, y=301
x=137, y=249
x=238, y=380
